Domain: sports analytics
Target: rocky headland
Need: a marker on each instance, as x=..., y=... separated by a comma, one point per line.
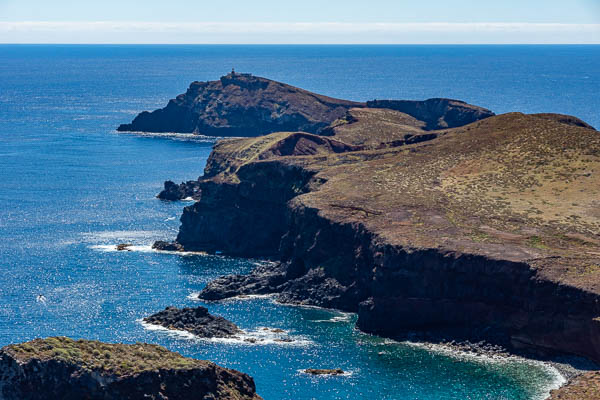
x=432, y=217
x=247, y=105
x=242, y=105
x=62, y=368
x=197, y=321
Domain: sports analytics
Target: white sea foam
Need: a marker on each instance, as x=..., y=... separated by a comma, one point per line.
x=104, y=236
x=193, y=296
x=557, y=378
x=342, y=317
x=176, y=136
x=170, y=332
x=259, y=337
x=242, y=297
x=143, y=249
x=188, y=199
x=113, y=248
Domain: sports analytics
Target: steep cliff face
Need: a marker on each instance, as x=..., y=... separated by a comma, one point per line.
x=246, y=218
x=61, y=368
x=397, y=290
x=242, y=105
x=488, y=230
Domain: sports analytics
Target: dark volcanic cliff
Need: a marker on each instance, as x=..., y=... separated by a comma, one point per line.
x=492, y=227
x=62, y=368
x=242, y=105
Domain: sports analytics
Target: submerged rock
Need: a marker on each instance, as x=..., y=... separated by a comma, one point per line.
x=63, y=368
x=124, y=246
x=194, y=320
x=335, y=371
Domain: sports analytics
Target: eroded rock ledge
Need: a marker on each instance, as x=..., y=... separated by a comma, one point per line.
x=62, y=368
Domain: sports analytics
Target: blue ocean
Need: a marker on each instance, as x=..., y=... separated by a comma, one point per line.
x=72, y=188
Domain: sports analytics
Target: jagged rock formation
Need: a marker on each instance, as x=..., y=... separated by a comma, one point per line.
x=194, y=320
x=242, y=105
x=62, y=368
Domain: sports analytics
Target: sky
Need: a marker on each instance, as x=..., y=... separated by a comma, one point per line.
x=306, y=21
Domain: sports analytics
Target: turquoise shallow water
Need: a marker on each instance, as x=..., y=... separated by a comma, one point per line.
x=72, y=188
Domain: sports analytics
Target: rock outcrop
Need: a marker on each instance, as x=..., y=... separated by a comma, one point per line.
x=184, y=190
x=242, y=105
x=167, y=246
x=62, y=368
x=194, y=320
x=313, y=371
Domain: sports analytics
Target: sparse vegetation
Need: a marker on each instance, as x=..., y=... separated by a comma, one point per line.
x=120, y=359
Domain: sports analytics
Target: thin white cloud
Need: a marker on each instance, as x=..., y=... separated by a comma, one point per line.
x=317, y=32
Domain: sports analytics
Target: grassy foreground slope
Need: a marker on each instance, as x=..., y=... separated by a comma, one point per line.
x=63, y=368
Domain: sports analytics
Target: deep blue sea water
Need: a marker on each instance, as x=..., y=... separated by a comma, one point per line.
x=71, y=187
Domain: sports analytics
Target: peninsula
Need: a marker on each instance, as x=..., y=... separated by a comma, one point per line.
x=428, y=216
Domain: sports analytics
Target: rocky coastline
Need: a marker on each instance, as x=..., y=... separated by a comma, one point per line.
x=63, y=368
x=435, y=220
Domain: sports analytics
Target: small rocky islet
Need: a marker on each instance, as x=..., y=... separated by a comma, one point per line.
x=197, y=321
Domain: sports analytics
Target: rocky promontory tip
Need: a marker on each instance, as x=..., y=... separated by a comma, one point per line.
x=242, y=105
x=63, y=368
x=197, y=321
